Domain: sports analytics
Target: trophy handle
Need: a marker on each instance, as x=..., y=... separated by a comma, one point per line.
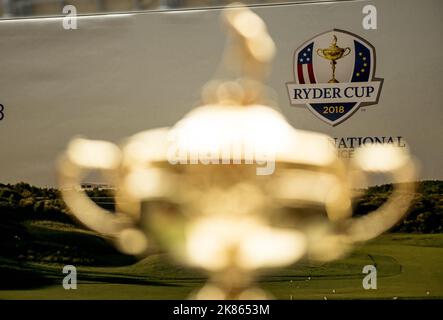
x=82, y=156
x=348, y=51
x=397, y=163
x=320, y=53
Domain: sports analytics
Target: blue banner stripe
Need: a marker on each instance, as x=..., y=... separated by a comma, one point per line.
x=305, y=56
x=362, y=66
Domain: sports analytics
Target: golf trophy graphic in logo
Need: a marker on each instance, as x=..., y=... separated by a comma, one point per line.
x=333, y=53
x=338, y=79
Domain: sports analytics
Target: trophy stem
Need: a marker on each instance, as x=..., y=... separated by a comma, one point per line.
x=236, y=284
x=333, y=80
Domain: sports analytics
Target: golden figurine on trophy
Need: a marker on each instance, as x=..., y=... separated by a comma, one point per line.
x=333, y=53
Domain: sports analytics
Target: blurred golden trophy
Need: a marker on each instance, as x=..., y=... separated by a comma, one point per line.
x=333, y=53
x=233, y=188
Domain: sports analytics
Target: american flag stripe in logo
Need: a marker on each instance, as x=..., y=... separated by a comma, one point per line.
x=305, y=69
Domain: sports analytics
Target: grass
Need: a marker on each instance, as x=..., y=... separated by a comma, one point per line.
x=409, y=266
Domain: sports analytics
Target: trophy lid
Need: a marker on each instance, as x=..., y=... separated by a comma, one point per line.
x=234, y=133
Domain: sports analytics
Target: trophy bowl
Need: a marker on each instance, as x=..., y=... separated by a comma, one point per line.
x=333, y=54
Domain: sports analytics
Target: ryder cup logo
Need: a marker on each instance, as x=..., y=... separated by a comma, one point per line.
x=334, y=76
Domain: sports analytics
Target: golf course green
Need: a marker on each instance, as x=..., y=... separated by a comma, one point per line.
x=409, y=266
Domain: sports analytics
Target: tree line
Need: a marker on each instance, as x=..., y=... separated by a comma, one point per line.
x=22, y=201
